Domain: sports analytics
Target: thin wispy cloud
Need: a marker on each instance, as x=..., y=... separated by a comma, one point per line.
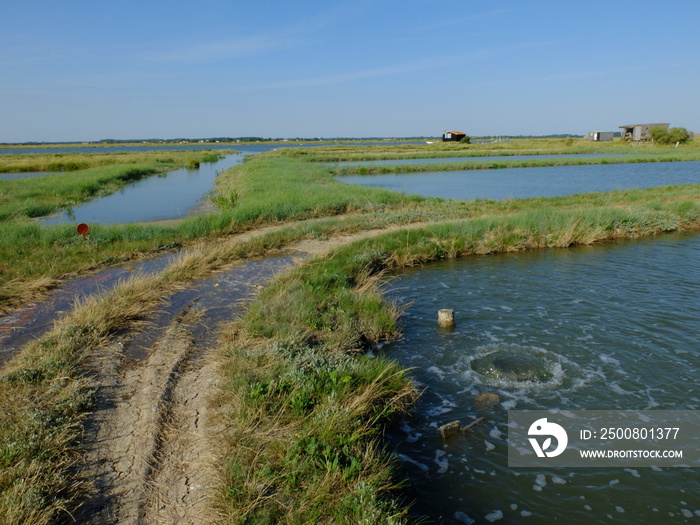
x=231, y=48
x=378, y=72
x=466, y=19
x=296, y=36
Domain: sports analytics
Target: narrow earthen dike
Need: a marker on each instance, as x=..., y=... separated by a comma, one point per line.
x=151, y=438
x=149, y=454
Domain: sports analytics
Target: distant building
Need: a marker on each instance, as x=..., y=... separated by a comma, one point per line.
x=640, y=131
x=600, y=136
x=455, y=136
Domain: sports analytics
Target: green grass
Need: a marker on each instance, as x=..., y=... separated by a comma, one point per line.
x=59, y=162
x=267, y=190
x=40, y=196
x=306, y=407
x=508, y=163
x=94, y=177
x=532, y=147
x=294, y=359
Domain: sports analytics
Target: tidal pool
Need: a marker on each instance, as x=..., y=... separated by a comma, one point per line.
x=521, y=183
x=611, y=327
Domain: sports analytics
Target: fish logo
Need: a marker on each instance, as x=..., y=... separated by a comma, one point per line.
x=542, y=427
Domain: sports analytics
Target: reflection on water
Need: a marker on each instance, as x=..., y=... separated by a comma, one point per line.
x=155, y=198
x=521, y=183
x=471, y=159
x=606, y=327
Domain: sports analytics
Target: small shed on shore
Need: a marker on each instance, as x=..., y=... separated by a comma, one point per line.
x=638, y=132
x=600, y=136
x=453, y=136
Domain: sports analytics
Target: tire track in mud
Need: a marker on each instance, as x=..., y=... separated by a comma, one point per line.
x=129, y=433
x=151, y=439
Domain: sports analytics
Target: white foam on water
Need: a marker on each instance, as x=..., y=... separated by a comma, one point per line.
x=464, y=518
x=558, y=480
x=436, y=371
x=525, y=513
x=513, y=506
x=489, y=446
x=494, y=516
x=614, y=482
x=559, y=367
x=687, y=513
x=541, y=480
x=588, y=507
x=441, y=461
x=619, y=390
x=495, y=433
x=652, y=402
x=412, y=461
x=509, y=404
x=619, y=509
x=634, y=472
x=439, y=410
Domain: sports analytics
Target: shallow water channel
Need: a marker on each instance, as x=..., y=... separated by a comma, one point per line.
x=169, y=196
x=521, y=183
x=611, y=327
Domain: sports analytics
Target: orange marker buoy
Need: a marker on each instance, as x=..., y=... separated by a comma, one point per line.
x=82, y=229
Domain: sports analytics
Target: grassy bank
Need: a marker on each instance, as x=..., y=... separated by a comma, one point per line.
x=305, y=405
x=534, y=147
x=308, y=406
x=257, y=193
x=263, y=191
x=534, y=162
x=93, y=176
x=59, y=162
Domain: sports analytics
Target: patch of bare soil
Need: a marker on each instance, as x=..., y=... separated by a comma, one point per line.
x=149, y=452
x=316, y=247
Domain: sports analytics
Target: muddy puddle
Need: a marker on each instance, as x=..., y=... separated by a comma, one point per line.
x=218, y=298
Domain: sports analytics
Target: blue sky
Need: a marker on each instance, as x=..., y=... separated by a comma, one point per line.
x=78, y=70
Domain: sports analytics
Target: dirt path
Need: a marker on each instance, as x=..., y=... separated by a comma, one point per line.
x=152, y=436
x=149, y=456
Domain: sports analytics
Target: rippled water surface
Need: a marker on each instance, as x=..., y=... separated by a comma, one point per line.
x=607, y=327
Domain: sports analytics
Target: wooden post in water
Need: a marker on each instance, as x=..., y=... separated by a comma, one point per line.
x=446, y=318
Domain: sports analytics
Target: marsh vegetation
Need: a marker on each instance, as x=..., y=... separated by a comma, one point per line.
x=305, y=406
